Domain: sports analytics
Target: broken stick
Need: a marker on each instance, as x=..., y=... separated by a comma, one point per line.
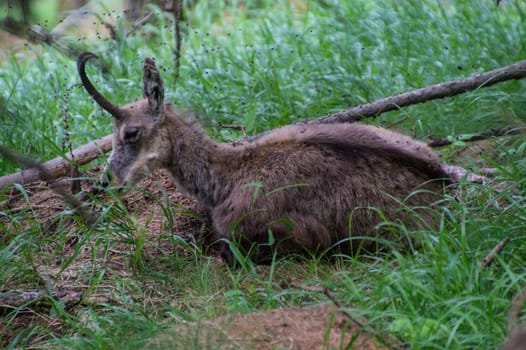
x=60, y=166
x=433, y=92
x=486, y=134
x=45, y=175
x=488, y=259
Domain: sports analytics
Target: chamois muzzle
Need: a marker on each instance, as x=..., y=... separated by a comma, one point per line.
x=115, y=111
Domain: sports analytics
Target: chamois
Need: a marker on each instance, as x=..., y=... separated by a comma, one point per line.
x=309, y=187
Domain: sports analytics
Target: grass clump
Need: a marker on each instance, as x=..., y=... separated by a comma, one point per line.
x=262, y=65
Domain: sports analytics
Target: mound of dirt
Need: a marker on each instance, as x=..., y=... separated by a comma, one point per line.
x=318, y=327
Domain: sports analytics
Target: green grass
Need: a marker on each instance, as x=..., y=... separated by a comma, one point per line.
x=262, y=65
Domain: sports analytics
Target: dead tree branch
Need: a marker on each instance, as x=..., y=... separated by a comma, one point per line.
x=139, y=23
x=457, y=173
x=45, y=175
x=59, y=166
x=14, y=300
x=486, y=134
x=433, y=92
x=488, y=259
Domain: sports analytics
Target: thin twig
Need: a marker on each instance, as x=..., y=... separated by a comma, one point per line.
x=488, y=259
x=140, y=23
x=331, y=297
x=486, y=134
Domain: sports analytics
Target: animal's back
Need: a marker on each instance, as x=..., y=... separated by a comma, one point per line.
x=313, y=186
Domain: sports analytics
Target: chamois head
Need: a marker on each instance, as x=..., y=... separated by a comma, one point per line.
x=134, y=125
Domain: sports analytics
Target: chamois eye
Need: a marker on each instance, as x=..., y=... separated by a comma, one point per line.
x=131, y=135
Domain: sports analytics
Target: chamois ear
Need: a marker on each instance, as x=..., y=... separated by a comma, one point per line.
x=153, y=87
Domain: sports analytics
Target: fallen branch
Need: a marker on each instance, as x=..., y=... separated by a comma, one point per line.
x=494, y=132
x=457, y=174
x=59, y=166
x=45, y=175
x=14, y=300
x=433, y=92
x=488, y=259
x=139, y=23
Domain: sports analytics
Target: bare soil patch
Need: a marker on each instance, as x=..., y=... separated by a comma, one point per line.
x=315, y=327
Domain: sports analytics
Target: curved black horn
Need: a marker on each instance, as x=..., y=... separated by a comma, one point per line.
x=101, y=100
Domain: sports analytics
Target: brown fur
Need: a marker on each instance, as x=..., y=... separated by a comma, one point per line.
x=312, y=186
